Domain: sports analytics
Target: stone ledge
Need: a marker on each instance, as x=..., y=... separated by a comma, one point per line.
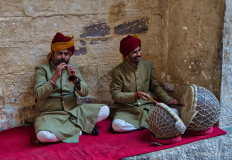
x=211, y=148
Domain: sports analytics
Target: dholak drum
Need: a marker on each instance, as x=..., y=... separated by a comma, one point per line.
x=201, y=111
x=165, y=125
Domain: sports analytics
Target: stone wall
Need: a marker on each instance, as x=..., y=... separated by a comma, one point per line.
x=28, y=26
x=226, y=82
x=195, y=44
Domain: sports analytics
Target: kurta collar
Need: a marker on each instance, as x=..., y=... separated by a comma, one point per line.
x=52, y=64
x=131, y=66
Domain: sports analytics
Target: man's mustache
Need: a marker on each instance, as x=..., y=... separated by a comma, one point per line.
x=137, y=57
x=63, y=61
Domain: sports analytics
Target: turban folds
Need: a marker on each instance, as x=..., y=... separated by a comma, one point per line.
x=61, y=42
x=128, y=44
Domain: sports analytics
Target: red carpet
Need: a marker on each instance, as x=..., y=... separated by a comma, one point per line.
x=18, y=143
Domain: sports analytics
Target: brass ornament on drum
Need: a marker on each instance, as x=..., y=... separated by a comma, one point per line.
x=164, y=122
x=202, y=109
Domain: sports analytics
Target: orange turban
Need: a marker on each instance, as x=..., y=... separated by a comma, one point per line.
x=61, y=42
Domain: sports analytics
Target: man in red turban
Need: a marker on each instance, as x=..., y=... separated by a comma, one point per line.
x=59, y=117
x=133, y=81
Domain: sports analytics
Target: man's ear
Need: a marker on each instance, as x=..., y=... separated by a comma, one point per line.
x=127, y=56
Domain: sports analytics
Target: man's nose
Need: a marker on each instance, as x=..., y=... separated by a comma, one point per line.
x=63, y=56
x=139, y=53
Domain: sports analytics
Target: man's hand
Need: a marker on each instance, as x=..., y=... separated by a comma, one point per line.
x=57, y=74
x=172, y=101
x=143, y=95
x=72, y=70
x=59, y=69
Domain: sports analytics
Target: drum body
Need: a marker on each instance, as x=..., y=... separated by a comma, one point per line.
x=165, y=123
x=202, y=109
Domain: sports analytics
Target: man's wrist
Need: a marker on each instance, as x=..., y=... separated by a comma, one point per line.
x=137, y=95
x=78, y=81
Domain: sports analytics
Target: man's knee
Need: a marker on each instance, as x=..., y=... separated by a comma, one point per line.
x=46, y=136
x=103, y=113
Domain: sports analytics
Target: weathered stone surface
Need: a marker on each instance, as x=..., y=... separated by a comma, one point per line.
x=37, y=55
x=11, y=8
x=138, y=26
x=194, y=41
x=2, y=100
x=204, y=149
x=105, y=51
x=226, y=83
x=152, y=48
x=89, y=73
x=83, y=42
x=15, y=29
x=80, y=51
x=12, y=60
x=100, y=29
x=34, y=8
x=55, y=24
x=18, y=89
x=226, y=145
x=14, y=116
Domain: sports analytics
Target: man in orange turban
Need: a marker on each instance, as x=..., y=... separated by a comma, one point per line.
x=133, y=81
x=59, y=117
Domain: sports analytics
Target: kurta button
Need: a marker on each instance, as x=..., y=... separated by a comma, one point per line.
x=138, y=103
x=137, y=85
x=63, y=102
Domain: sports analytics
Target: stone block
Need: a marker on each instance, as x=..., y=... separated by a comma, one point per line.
x=226, y=145
x=204, y=149
x=80, y=51
x=157, y=23
x=83, y=42
x=105, y=51
x=139, y=26
x=15, y=29
x=89, y=73
x=37, y=55
x=12, y=60
x=2, y=100
x=104, y=77
x=11, y=8
x=99, y=29
x=18, y=88
x=45, y=28
x=34, y=8
x=14, y=116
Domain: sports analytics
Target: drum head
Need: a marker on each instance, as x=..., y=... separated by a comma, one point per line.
x=189, y=99
x=202, y=109
x=164, y=123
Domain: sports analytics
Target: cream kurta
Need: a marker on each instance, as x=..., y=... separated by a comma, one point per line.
x=58, y=110
x=126, y=81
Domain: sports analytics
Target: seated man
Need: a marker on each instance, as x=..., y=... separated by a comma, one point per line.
x=133, y=81
x=59, y=117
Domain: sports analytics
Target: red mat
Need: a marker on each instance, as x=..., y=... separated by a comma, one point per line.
x=18, y=143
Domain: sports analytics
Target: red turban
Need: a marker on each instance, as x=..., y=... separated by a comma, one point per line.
x=61, y=42
x=128, y=44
